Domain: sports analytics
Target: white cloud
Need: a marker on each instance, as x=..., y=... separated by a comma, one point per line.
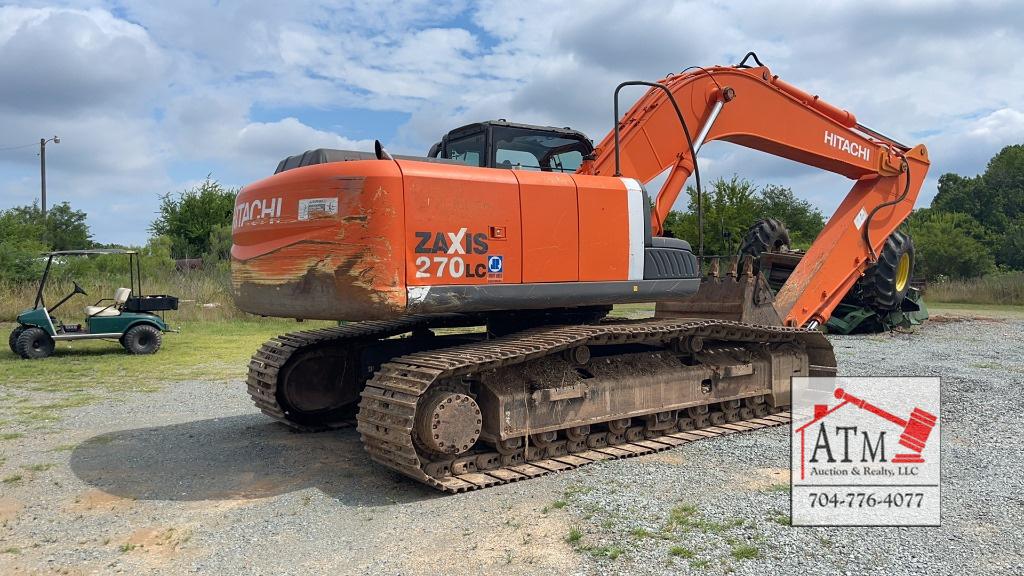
x=164, y=93
x=64, y=61
x=275, y=140
x=1002, y=125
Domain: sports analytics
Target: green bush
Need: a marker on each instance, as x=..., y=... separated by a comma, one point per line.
x=949, y=244
x=731, y=206
x=197, y=221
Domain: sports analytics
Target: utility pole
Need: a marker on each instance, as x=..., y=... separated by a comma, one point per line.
x=42, y=170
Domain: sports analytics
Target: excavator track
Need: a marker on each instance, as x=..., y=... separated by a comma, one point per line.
x=391, y=401
x=267, y=363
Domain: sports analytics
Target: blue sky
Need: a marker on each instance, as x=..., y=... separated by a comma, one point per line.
x=149, y=98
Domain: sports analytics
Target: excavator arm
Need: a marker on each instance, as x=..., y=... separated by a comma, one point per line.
x=751, y=107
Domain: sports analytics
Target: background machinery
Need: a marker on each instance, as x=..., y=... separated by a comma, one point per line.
x=522, y=265
x=883, y=299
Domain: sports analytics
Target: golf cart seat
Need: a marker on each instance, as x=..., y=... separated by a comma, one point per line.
x=120, y=297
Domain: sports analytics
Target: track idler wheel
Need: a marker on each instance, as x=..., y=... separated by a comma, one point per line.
x=449, y=423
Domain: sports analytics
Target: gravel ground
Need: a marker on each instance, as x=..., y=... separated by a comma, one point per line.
x=192, y=479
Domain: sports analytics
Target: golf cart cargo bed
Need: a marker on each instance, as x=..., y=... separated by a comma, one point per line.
x=151, y=303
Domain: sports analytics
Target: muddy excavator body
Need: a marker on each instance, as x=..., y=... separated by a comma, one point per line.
x=475, y=284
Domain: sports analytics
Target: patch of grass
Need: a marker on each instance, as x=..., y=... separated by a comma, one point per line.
x=10, y=435
x=575, y=535
x=12, y=550
x=26, y=413
x=84, y=372
x=12, y=479
x=574, y=490
x=64, y=448
x=997, y=311
x=744, y=552
x=127, y=547
x=632, y=311
x=207, y=350
x=778, y=487
x=640, y=533
x=39, y=467
x=1001, y=289
x=682, y=513
x=687, y=517
x=559, y=504
x=610, y=552
x=681, y=552
x=700, y=564
x=782, y=519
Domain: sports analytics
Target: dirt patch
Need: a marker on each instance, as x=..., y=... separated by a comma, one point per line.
x=954, y=318
x=159, y=542
x=525, y=538
x=9, y=509
x=99, y=501
x=674, y=457
x=763, y=478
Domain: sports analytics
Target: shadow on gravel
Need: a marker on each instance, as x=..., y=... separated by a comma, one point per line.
x=240, y=457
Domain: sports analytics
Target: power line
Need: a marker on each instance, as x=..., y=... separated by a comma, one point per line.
x=17, y=147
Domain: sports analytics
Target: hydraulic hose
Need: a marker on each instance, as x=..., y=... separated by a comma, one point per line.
x=689, y=143
x=867, y=222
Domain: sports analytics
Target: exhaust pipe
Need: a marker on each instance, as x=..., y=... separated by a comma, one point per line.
x=379, y=150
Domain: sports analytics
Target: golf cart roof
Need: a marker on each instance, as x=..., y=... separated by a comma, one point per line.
x=90, y=251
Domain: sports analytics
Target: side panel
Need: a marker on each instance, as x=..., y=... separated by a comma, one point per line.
x=462, y=225
x=321, y=242
x=38, y=317
x=122, y=322
x=604, y=228
x=550, y=226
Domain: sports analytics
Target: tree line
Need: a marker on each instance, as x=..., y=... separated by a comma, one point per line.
x=195, y=223
x=974, y=226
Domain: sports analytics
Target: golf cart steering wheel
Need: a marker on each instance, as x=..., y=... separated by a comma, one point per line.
x=78, y=289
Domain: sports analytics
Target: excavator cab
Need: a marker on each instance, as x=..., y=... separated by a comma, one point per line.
x=503, y=144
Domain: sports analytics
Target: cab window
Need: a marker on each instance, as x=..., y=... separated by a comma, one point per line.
x=468, y=149
x=566, y=161
x=528, y=149
x=515, y=159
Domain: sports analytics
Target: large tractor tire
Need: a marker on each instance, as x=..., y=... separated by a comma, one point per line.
x=766, y=235
x=886, y=282
x=142, y=339
x=34, y=343
x=12, y=340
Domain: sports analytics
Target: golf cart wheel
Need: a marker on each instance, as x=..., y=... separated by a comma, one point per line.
x=886, y=282
x=142, y=339
x=34, y=343
x=13, y=340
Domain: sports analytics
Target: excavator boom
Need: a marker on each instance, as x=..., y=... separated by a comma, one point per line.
x=754, y=108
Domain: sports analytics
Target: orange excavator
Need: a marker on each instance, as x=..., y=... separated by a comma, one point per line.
x=475, y=283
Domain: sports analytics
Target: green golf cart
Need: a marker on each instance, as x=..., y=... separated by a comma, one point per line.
x=129, y=316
